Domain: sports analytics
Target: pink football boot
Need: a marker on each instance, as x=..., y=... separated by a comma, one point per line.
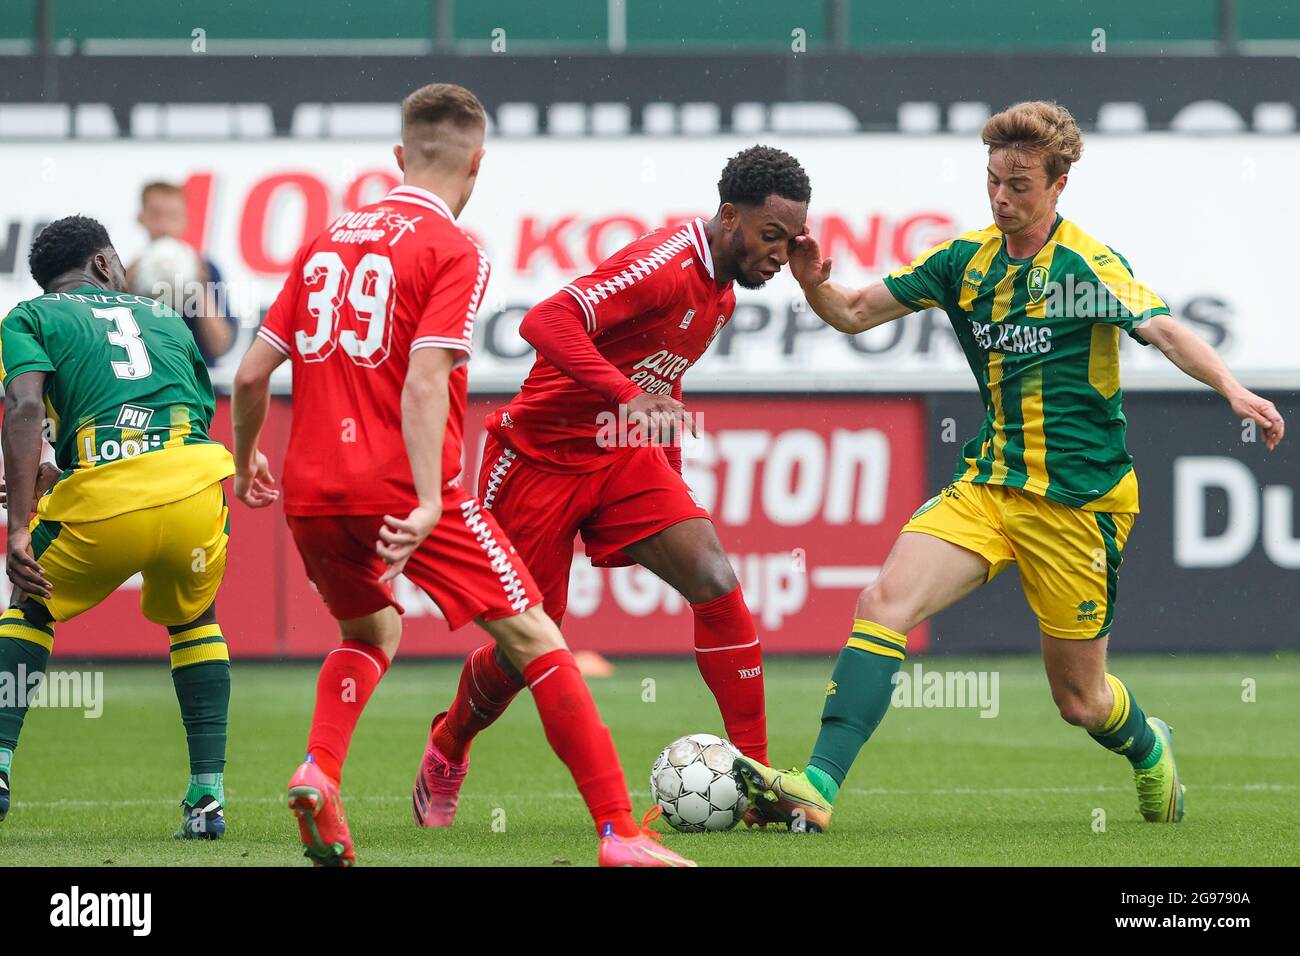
x=437, y=785
x=641, y=850
x=314, y=799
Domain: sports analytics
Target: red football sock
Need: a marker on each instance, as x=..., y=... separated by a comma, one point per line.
x=578, y=738
x=731, y=662
x=348, y=677
x=485, y=691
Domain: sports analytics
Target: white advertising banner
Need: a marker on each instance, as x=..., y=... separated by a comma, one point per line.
x=1205, y=221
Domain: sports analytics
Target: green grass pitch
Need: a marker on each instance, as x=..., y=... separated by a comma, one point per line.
x=935, y=786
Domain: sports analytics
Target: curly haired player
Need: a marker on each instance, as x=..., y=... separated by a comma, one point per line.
x=590, y=447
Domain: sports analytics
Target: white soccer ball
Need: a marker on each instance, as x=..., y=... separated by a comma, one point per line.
x=694, y=785
x=168, y=270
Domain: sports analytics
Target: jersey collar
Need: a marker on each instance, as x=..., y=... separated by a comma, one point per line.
x=1055, y=226
x=417, y=196
x=700, y=239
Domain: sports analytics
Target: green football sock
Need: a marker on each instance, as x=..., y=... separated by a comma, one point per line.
x=24, y=651
x=1127, y=731
x=857, y=699
x=206, y=784
x=823, y=781
x=201, y=675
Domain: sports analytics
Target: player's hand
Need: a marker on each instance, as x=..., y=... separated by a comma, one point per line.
x=806, y=263
x=46, y=475
x=662, y=417
x=256, y=486
x=399, y=537
x=1247, y=405
x=24, y=572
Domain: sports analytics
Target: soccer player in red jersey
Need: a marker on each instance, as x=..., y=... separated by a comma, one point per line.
x=591, y=446
x=376, y=315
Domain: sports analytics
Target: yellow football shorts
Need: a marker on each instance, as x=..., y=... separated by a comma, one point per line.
x=178, y=548
x=1069, y=558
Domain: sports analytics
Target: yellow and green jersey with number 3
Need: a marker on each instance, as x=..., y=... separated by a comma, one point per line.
x=127, y=396
x=1042, y=337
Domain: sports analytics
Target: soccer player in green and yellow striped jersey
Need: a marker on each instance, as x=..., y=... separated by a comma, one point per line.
x=116, y=383
x=1038, y=306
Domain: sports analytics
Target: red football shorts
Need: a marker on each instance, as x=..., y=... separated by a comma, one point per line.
x=466, y=565
x=625, y=502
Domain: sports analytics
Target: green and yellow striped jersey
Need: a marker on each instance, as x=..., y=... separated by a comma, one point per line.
x=127, y=398
x=1042, y=337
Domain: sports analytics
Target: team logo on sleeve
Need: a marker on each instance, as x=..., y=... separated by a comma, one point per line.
x=1037, y=283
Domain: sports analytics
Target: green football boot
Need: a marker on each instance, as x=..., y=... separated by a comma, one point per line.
x=1160, y=790
x=784, y=796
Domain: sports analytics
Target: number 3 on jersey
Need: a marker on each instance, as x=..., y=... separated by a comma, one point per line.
x=126, y=334
x=339, y=315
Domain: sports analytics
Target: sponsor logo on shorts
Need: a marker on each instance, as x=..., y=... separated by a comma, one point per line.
x=926, y=507
x=1087, y=611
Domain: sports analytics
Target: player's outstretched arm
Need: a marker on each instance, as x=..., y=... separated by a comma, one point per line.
x=843, y=308
x=254, y=483
x=425, y=405
x=1194, y=356
x=21, y=441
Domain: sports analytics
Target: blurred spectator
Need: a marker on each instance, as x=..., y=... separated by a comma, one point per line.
x=164, y=214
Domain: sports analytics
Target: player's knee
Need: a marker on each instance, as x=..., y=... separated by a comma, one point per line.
x=714, y=578
x=523, y=638
x=506, y=664
x=1078, y=709
x=381, y=630
x=879, y=605
x=33, y=612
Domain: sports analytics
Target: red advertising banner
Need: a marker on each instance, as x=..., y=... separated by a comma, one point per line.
x=808, y=494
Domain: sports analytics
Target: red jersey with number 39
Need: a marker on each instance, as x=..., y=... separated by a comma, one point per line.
x=651, y=309
x=375, y=286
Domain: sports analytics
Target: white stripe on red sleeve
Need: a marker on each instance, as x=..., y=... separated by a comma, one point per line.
x=587, y=311
x=441, y=342
x=273, y=340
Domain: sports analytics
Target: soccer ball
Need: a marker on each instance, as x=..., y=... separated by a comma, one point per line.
x=693, y=783
x=169, y=270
